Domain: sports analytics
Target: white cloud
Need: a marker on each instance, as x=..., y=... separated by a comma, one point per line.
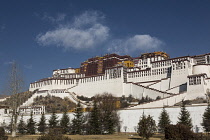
x=2, y=27
x=28, y=66
x=88, y=18
x=135, y=43
x=74, y=38
x=86, y=31
x=59, y=17
x=9, y=62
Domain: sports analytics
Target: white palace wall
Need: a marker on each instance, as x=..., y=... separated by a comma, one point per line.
x=156, y=85
x=198, y=69
x=178, y=76
x=138, y=91
x=89, y=89
x=163, y=85
x=174, y=90
x=53, y=84
x=168, y=101
x=142, y=76
x=207, y=85
x=130, y=118
x=196, y=91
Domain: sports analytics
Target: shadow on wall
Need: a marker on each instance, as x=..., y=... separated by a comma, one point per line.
x=183, y=88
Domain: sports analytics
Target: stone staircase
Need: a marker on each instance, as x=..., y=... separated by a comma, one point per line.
x=70, y=95
x=167, y=101
x=154, y=89
x=73, y=97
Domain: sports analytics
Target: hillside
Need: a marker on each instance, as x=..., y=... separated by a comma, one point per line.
x=191, y=102
x=22, y=97
x=3, y=96
x=52, y=102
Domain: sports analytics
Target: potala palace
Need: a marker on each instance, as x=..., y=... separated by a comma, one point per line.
x=151, y=74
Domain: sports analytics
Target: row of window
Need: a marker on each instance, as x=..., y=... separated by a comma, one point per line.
x=99, y=78
x=143, y=66
x=179, y=66
x=93, y=79
x=148, y=73
x=161, y=71
x=73, y=75
x=208, y=59
x=166, y=63
x=161, y=64
x=49, y=82
x=64, y=71
x=58, y=91
x=139, y=74
x=195, y=80
x=115, y=75
x=142, y=62
x=110, y=71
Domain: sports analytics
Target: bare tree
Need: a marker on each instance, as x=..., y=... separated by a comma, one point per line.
x=15, y=86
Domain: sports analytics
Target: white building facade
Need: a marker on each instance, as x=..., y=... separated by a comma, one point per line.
x=153, y=74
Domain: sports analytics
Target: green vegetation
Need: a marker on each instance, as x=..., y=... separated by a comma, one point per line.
x=53, y=122
x=164, y=120
x=107, y=110
x=190, y=102
x=42, y=124
x=22, y=126
x=21, y=97
x=123, y=102
x=146, y=126
x=146, y=99
x=180, y=132
x=65, y=123
x=31, y=125
x=2, y=134
x=78, y=121
x=184, y=116
x=95, y=120
x=53, y=103
x=83, y=98
x=206, y=119
x=54, y=134
x=103, y=119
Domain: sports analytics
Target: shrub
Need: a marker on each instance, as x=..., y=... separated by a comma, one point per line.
x=146, y=126
x=145, y=100
x=184, y=116
x=55, y=131
x=164, y=120
x=2, y=134
x=206, y=119
x=54, y=134
x=158, y=98
x=179, y=132
x=49, y=137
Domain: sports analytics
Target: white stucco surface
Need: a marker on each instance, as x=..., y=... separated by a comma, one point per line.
x=130, y=118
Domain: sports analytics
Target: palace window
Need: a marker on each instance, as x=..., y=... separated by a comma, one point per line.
x=208, y=59
x=195, y=80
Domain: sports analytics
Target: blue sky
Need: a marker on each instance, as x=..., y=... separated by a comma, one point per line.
x=43, y=35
